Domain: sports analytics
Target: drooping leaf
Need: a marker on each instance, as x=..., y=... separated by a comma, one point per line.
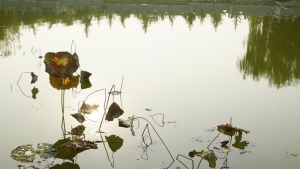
x=85, y=84
x=64, y=152
x=63, y=83
x=79, y=117
x=24, y=153
x=241, y=130
x=84, y=79
x=224, y=143
x=65, y=165
x=238, y=137
x=114, y=111
x=114, y=142
x=229, y=130
x=61, y=64
x=210, y=156
x=46, y=150
x=34, y=78
x=126, y=123
x=240, y=145
x=88, y=109
x=34, y=92
x=192, y=153
x=78, y=130
x=226, y=129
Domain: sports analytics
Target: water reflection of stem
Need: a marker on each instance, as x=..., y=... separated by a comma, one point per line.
x=162, y=121
x=186, y=158
x=159, y=138
x=19, y=85
x=73, y=43
x=63, y=124
x=143, y=137
x=95, y=92
x=105, y=107
x=103, y=142
x=114, y=92
x=213, y=140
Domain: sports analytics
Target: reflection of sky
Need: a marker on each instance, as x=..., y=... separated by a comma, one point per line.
x=190, y=75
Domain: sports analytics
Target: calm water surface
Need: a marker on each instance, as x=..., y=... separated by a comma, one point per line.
x=199, y=72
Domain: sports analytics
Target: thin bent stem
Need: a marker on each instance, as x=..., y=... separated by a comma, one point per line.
x=186, y=158
x=95, y=92
x=105, y=148
x=159, y=138
x=199, y=163
x=162, y=121
x=143, y=137
x=213, y=140
x=19, y=85
x=105, y=106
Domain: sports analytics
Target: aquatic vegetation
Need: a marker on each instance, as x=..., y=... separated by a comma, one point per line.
x=61, y=64
x=26, y=153
x=114, y=111
x=62, y=69
x=209, y=154
x=34, y=79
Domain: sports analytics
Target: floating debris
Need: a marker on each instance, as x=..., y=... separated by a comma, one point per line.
x=80, y=144
x=286, y=154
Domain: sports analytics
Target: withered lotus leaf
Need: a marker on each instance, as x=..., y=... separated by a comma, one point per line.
x=114, y=142
x=61, y=64
x=34, y=77
x=229, y=130
x=84, y=79
x=226, y=129
x=34, y=92
x=208, y=155
x=84, y=75
x=79, y=117
x=63, y=83
x=78, y=130
x=88, y=109
x=114, y=111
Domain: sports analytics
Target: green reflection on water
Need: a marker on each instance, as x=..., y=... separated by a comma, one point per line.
x=272, y=45
x=273, y=51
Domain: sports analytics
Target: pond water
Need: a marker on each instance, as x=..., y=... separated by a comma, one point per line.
x=185, y=67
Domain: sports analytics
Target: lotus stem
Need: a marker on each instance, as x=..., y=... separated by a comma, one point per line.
x=159, y=138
